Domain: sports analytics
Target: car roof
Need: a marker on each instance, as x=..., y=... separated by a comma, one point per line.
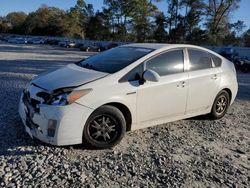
x=164, y=46
x=147, y=45
x=157, y=46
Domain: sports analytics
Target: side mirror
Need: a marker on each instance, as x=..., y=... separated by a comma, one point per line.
x=150, y=75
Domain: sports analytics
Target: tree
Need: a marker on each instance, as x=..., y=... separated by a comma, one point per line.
x=3, y=25
x=217, y=12
x=120, y=13
x=237, y=27
x=15, y=21
x=96, y=28
x=233, y=36
x=182, y=17
x=79, y=15
x=172, y=14
x=45, y=21
x=90, y=10
x=246, y=38
x=192, y=21
x=198, y=37
x=194, y=10
x=72, y=27
x=160, y=34
x=144, y=10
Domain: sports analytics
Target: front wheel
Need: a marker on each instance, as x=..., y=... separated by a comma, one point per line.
x=220, y=106
x=105, y=127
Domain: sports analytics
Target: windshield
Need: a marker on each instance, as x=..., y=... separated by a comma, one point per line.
x=115, y=59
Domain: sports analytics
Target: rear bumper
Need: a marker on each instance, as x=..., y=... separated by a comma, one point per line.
x=234, y=89
x=70, y=121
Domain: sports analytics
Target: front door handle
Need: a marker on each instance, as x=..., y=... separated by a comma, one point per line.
x=183, y=84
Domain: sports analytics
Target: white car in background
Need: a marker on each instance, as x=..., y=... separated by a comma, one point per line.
x=126, y=88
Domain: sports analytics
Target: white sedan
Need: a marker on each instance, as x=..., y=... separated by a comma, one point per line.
x=126, y=88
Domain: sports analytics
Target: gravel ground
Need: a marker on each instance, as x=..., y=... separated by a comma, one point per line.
x=196, y=152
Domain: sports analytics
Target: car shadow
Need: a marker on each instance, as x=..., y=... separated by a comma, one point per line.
x=201, y=117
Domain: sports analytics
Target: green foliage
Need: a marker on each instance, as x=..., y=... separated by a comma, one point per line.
x=15, y=21
x=237, y=27
x=160, y=34
x=118, y=16
x=144, y=10
x=217, y=12
x=246, y=38
x=45, y=21
x=191, y=21
x=3, y=25
x=97, y=29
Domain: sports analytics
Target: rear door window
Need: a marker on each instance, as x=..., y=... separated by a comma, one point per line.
x=199, y=60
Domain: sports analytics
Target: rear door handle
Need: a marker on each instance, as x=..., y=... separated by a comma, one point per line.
x=131, y=93
x=214, y=77
x=182, y=84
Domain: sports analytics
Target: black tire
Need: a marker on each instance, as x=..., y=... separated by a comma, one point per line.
x=219, y=108
x=106, y=120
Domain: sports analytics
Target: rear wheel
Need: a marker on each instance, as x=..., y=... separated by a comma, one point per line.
x=105, y=128
x=220, y=105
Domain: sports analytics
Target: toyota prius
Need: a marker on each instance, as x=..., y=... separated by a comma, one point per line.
x=99, y=99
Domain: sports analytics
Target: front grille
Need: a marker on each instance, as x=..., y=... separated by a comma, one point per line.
x=34, y=103
x=26, y=97
x=32, y=107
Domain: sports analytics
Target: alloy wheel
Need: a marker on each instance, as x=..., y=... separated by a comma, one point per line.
x=221, y=105
x=103, y=128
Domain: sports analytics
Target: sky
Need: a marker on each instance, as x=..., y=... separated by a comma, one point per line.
x=6, y=6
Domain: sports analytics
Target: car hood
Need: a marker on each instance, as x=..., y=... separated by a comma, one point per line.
x=71, y=75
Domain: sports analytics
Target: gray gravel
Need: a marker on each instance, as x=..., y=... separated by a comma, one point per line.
x=189, y=153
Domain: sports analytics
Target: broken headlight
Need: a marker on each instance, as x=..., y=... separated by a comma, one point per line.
x=59, y=100
x=69, y=97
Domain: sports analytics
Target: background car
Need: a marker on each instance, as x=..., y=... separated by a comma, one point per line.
x=112, y=45
x=245, y=64
x=52, y=41
x=18, y=40
x=38, y=41
x=67, y=44
x=90, y=48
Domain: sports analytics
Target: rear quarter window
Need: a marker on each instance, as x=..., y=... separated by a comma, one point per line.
x=217, y=61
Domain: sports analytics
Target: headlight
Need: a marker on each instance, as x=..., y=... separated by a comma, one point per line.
x=69, y=98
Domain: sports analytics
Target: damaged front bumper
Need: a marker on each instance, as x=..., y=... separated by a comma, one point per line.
x=56, y=125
